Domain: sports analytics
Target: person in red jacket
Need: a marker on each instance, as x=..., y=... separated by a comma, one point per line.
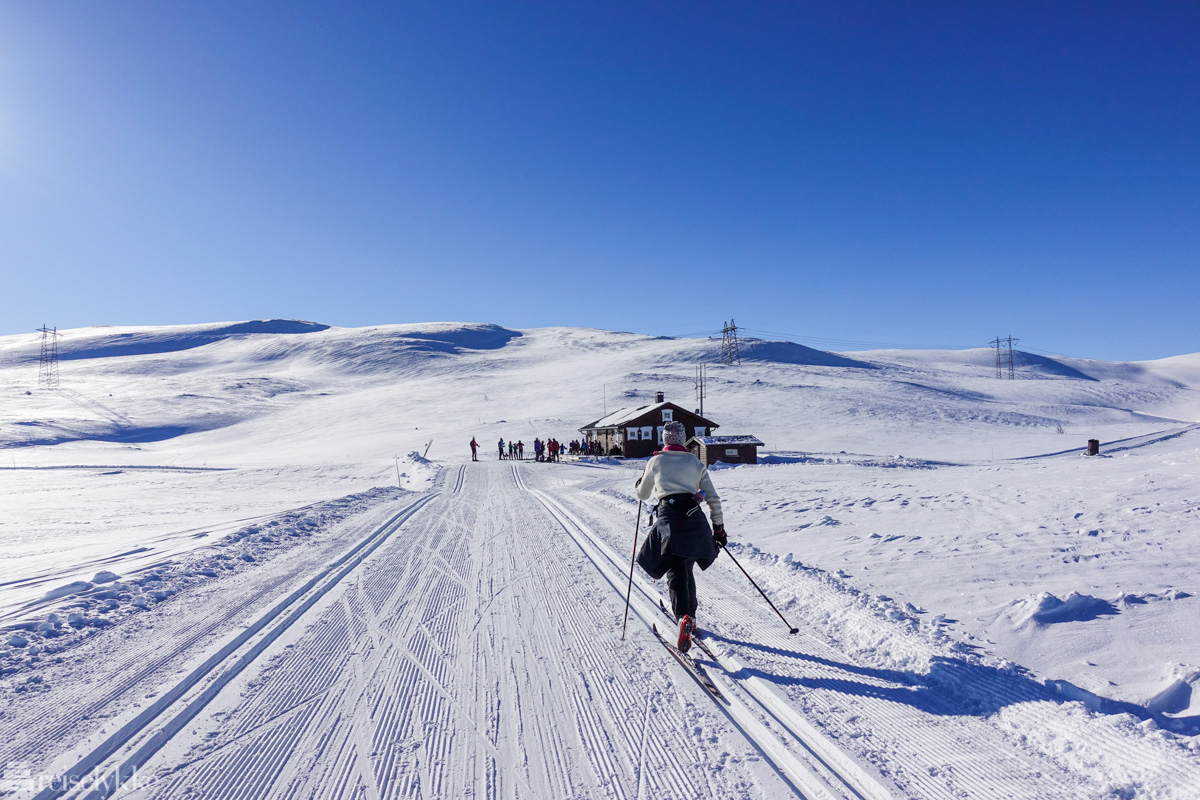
x=474, y=448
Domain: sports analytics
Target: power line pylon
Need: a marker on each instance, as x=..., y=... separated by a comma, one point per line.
x=48, y=362
x=730, y=352
x=1004, y=357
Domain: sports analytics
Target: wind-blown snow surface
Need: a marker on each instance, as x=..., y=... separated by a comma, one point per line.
x=984, y=611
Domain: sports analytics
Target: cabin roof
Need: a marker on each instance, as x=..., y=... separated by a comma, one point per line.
x=623, y=416
x=729, y=440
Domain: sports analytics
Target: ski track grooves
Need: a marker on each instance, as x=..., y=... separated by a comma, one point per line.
x=959, y=731
x=820, y=771
x=309, y=594
x=467, y=647
x=453, y=662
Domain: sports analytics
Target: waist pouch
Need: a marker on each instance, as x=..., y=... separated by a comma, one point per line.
x=685, y=504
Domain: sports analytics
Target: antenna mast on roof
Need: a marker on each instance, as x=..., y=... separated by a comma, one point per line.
x=730, y=352
x=701, y=391
x=48, y=362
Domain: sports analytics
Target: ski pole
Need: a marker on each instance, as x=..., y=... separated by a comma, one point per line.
x=637, y=526
x=760, y=591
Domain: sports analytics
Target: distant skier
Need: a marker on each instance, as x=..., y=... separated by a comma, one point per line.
x=500, y=447
x=520, y=450
x=677, y=481
x=474, y=449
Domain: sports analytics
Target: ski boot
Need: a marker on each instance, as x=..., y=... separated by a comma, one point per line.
x=686, y=626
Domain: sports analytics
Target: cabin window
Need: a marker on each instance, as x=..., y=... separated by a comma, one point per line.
x=731, y=451
x=700, y=431
x=648, y=432
x=632, y=434
x=668, y=415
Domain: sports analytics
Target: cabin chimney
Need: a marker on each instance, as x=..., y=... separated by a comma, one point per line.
x=659, y=397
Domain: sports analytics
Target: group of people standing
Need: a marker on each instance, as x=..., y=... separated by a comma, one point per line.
x=548, y=450
x=582, y=448
x=505, y=450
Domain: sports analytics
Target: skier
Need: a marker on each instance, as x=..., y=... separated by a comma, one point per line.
x=500, y=447
x=520, y=450
x=474, y=447
x=677, y=481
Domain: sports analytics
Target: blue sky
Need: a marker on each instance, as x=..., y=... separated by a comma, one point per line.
x=848, y=174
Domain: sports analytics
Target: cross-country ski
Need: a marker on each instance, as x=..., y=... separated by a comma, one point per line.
x=599, y=401
x=282, y=627
x=689, y=664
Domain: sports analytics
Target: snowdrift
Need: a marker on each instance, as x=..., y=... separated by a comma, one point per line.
x=1046, y=609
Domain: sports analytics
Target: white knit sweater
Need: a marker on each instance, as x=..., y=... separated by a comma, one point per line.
x=675, y=472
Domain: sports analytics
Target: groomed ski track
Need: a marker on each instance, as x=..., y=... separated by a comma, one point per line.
x=467, y=645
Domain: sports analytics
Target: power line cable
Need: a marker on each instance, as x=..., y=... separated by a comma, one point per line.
x=859, y=343
x=833, y=341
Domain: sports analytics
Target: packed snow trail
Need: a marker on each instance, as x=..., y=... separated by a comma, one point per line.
x=467, y=645
x=471, y=655
x=958, y=730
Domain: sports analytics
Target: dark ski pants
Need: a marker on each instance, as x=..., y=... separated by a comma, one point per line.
x=682, y=586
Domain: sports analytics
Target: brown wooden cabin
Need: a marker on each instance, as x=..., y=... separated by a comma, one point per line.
x=638, y=431
x=730, y=449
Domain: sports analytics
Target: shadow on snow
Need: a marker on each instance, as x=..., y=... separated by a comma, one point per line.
x=951, y=687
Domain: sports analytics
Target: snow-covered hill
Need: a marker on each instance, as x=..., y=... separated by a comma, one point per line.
x=211, y=390
x=951, y=506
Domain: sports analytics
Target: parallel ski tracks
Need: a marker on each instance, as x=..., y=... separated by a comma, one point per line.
x=817, y=769
x=634, y=763
x=937, y=736
x=962, y=731
x=462, y=659
x=453, y=665
x=150, y=730
x=459, y=479
x=136, y=662
x=457, y=662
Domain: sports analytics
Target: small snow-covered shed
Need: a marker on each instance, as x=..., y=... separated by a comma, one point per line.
x=638, y=431
x=730, y=449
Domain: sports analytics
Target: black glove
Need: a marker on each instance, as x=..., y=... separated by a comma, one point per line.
x=719, y=535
